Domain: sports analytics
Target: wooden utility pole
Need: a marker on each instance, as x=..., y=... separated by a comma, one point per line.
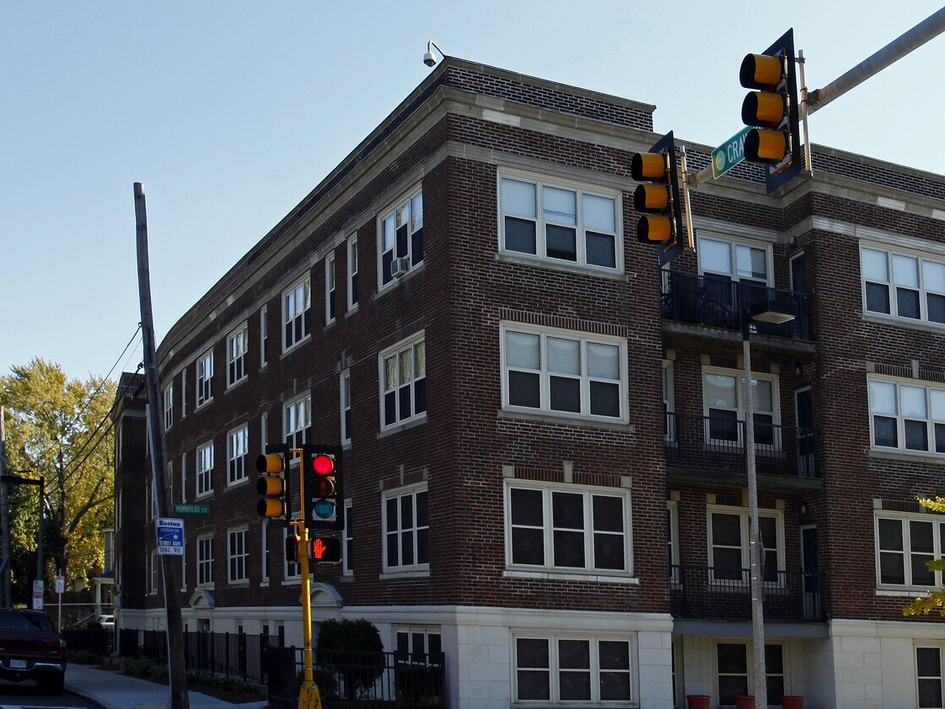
x=177, y=674
x=4, y=519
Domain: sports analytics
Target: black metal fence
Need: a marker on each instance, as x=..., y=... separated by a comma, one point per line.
x=709, y=593
x=95, y=640
x=711, y=442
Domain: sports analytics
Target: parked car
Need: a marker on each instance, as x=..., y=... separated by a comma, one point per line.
x=30, y=649
x=107, y=621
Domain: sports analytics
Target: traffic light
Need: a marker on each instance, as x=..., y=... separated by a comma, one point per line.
x=772, y=110
x=325, y=549
x=273, y=483
x=659, y=198
x=323, y=487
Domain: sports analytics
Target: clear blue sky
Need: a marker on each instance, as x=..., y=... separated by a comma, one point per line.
x=231, y=111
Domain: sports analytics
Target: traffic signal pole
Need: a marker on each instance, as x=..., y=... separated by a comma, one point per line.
x=309, y=698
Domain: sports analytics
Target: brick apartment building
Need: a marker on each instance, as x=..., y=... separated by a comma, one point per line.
x=544, y=434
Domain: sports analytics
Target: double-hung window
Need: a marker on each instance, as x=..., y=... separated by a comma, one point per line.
x=729, y=549
x=400, y=239
x=907, y=417
x=296, y=313
x=329, y=289
x=403, y=376
x=729, y=265
x=560, y=223
x=564, y=373
x=735, y=679
x=237, y=450
x=352, y=272
x=725, y=407
x=904, y=544
x=205, y=469
x=562, y=669
x=263, y=336
x=205, y=560
x=406, y=524
x=568, y=529
x=237, y=554
x=346, y=406
x=168, y=406
x=297, y=419
x=928, y=666
x=204, y=379
x=237, y=344
x=903, y=285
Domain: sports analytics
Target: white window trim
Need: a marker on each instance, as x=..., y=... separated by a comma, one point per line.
x=306, y=283
x=940, y=677
x=580, y=188
x=183, y=394
x=545, y=409
x=901, y=449
x=669, y=400
x=244, y=479
x=331, y=289
x=353, y=265
x=593, y=639
x=407, y=198
x=347, y=539
x=548, y=569
x=287, y=578
x=672, y=512
x=204, y=476
x=938, y=551
x=153, y=575
x=306, y=410
x=263, y=336
x=739, y=376
x=202, y=379
x=892, y=316
x=410, y=342
x=202, y=562
x=404, y=569
x=168, y=397
x=745, y=528
x=232, y=554
x=344, y=387
x=264, y=552
x=241, y=332
x=734, y=241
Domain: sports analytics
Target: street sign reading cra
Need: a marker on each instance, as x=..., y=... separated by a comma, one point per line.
x=170, y=536
x=729, y=153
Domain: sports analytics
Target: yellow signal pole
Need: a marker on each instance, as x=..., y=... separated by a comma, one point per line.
x=309, y=698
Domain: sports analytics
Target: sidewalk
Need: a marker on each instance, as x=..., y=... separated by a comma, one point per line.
x=113, y=690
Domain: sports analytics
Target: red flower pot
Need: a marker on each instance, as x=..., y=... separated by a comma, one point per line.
x=698, y=701
x=790, y=701
x=745, y=701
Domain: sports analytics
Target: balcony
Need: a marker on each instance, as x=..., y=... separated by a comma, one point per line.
x=710, y=444
x=719, y=302
x=707, y=593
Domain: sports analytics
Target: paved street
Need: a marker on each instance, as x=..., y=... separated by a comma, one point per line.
x=26, y=696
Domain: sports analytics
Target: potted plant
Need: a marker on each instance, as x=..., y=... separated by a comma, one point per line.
x=744, y=701
x=698, y=701
x=792, y=701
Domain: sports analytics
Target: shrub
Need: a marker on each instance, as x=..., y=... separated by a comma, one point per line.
x=138, y=666
x=353, y=650
x=83, y=657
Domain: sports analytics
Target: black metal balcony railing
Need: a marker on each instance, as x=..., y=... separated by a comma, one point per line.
x=707, y=593
x=717, y=301
x=715, y=443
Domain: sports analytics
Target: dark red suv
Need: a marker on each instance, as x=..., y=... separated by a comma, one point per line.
x=31, y=649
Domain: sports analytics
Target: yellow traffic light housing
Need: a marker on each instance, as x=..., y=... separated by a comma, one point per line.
x=273, y=483
x=772, y=111
x=658, y=197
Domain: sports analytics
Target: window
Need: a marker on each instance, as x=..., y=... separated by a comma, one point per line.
x=237, y=449
x=346, y=406
x=168, y=406
x=296, y=313
x=559, y=223
x=406, y=526
x=669, y=403
x=347, y=558
x=352, y=272
x=263, y=336
x=204, y=379
x=415, y=643
x=725, y=408
x=908, y=417
x=928, y=669
x=400, y=241
x=237, y=554
x=728, y=545
x=563, y=669
x=672, y=525
x=264, y=539
x=205, y=470
x=733, y=269
x=290, y=569
x=567, y=528
x=903, y=285
x=403, y=379
x=183, y=394
x=904, y=544
x=263, y=430
x=297, y=419
x=236, y=346
x=329, y=289
x=564, y=373
x=734, y=677
x=153, y=580
x=205, y=560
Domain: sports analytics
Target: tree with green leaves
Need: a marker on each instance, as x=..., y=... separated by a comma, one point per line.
x=58, y=428
x=934, y=600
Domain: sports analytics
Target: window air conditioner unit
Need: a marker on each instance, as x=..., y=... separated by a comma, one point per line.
x=399, y=267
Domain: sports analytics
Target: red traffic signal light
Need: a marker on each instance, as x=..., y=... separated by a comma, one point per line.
x=323, y=494
x=659, y=197
x=273, y=483
x=772, y=110
x=325, y=549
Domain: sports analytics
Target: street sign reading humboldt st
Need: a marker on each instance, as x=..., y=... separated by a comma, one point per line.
x=729, y=153
x=190, y=509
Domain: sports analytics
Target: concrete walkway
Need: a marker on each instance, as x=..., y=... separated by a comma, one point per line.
x=113, y=690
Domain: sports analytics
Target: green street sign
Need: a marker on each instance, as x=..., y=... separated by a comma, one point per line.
x=191, y=509
x=729, y=153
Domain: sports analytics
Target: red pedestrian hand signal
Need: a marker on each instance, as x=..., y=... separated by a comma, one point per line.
x=326, y=549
